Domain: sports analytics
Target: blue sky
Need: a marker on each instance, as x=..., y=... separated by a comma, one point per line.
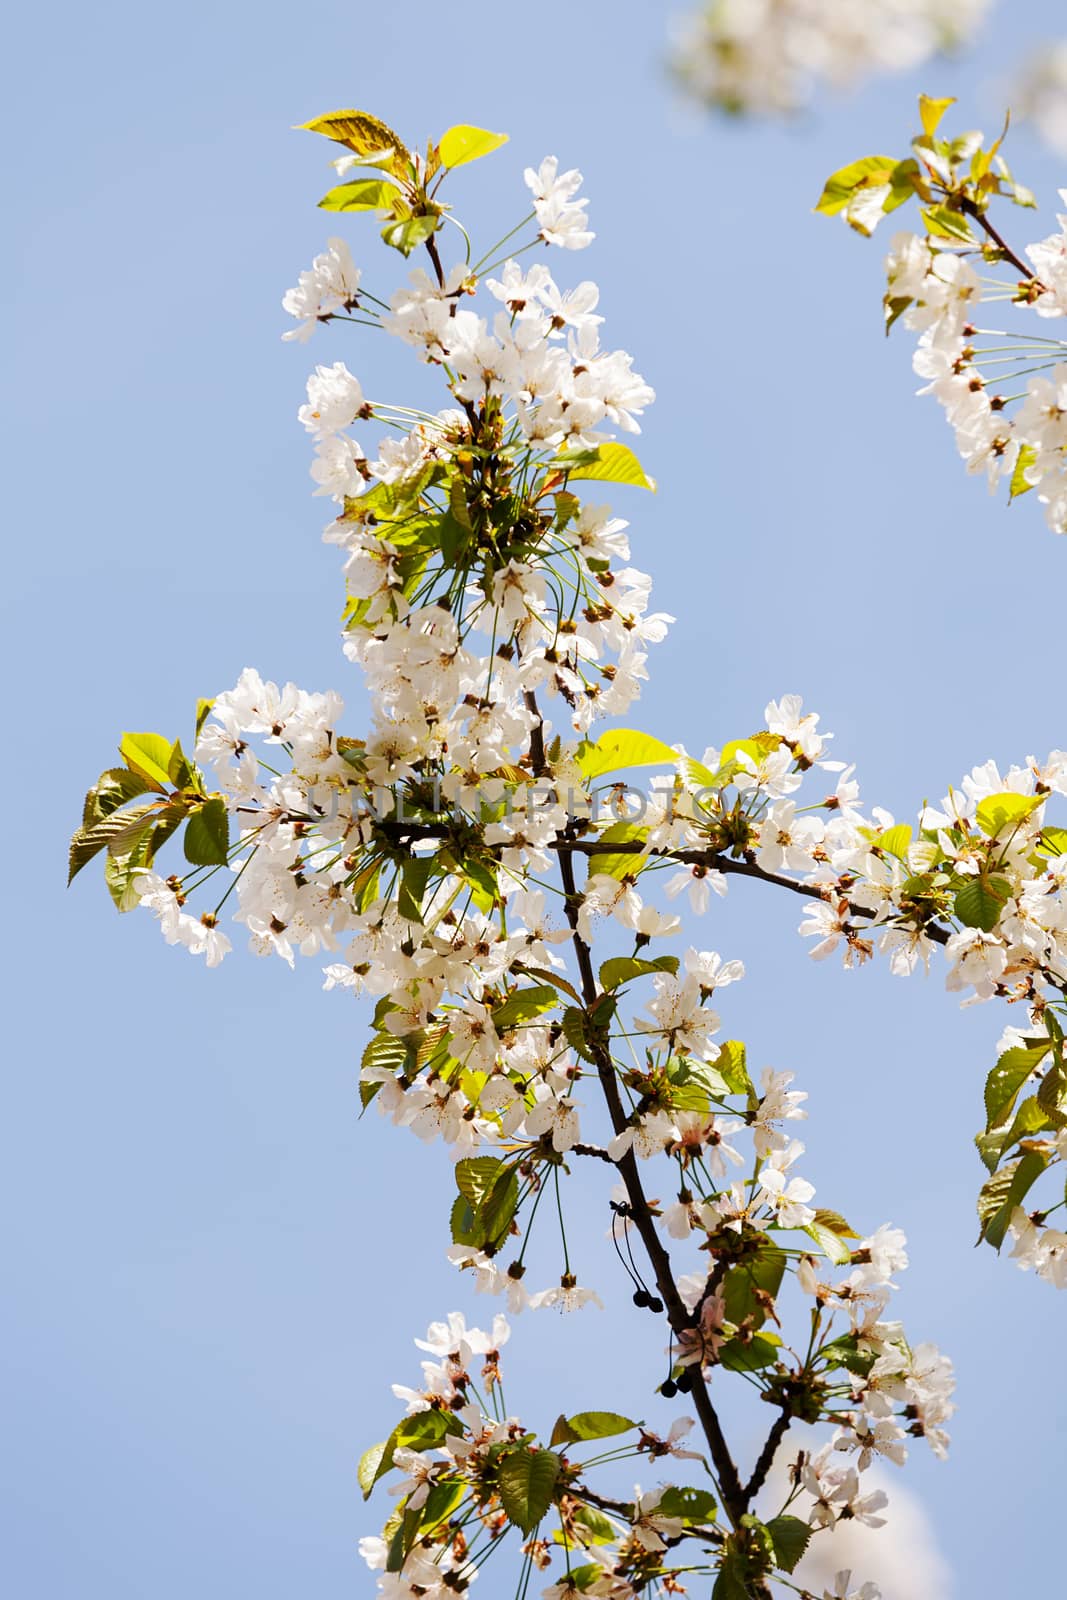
x=214, y=1270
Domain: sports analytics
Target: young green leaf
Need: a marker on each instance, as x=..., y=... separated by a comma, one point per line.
x=586, y=1425
x=463, y=143
x=622, y=969
x=119, y=828
x=830, y=1243
x=624, y=747
x=149, y=755
x=409, y=233
x=1007, y=1189
x=1007, y=1078
x=608, y=463
x=367, y=137
x=361, y=194
x=931, y=112
x=998, y=812
x=367, y=1471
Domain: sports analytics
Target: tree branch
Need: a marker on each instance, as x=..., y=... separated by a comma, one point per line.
x=779, y=1429
x=728, y=865
x=1026, y=273
x=729, y=1481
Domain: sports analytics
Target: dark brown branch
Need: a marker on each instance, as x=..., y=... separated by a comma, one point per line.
x=537, y=735
x=1025, y=272
x=728, y=865
x=729, y=1481
x=590, y=1150
x=432, y=252
x=779, y=1429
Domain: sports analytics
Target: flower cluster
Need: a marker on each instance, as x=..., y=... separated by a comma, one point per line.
x=472, y=1474
x=1018, y=438
x=767, y=57
x=1004, y=391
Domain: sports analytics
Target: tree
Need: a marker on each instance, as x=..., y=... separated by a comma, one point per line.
x=464, y=858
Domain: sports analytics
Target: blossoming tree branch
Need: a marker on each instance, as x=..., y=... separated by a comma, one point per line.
x=476, y=863
x=1004, y=390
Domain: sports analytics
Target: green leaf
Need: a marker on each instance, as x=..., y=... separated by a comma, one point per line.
x=120, y=871
x=368, y=137
x=757, y=749
x=695, y=1507
x=608, y=463
x=1020, y=483
x=584, y=1577
x=1002, y=1086
x=830, y=1243
x=623, y=747
x=730, y=1063
x=111, y=790
x=730, y=1583
x=867, y=188
x=595, y=1528
x=421, y=1432
x=586, y=1425
x=842, y=185
x=845, y=1352
x=148, y=754
x=895, y=306
x=207, y=835
x=361, y=194
x=121, y=827
x=497, y=1214
x=836, y=1223
x=388, y=1051
x=998, y=811
x=931, y=112
x=369, y=1462
x=578, y=1033
x=522, y=1005
x=1052, y=1093
x=553, y=978
x=1053, y=841
x=790, y=1537
x=441, y=1501
x=621, y=969
x=744, y=1284
x=895, y=841
x=414, y=877
x=403, y=1540
x=407, y=235
x=476, y=1177
x=464, y=143
x=944, y=223
x=181, y=771
x=1000, y=1194
x=980, y=901
x=626, y=864
x=203, y=711
x=527, y=1480
x=1030, y=1118
x=694, y=1084
x=464, y=1225
x=750, y=1355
